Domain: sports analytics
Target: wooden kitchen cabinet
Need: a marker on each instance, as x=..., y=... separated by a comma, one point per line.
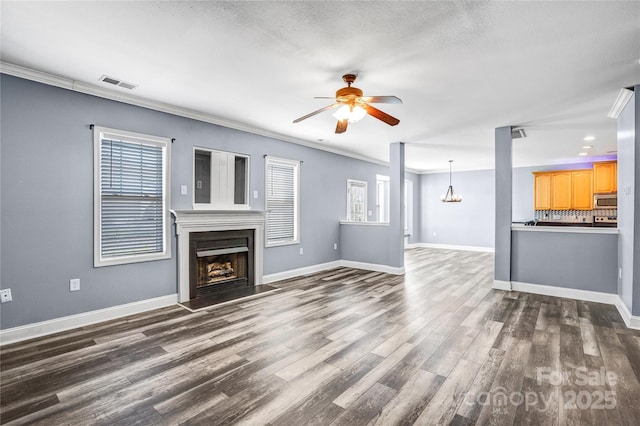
x=605, y=177
x=582, y=190
x=542, y=191
x=561, y=190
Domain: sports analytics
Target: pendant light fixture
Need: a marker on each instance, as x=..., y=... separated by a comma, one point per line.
x=450, y=196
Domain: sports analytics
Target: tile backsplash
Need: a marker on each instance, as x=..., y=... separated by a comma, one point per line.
x=572, y=216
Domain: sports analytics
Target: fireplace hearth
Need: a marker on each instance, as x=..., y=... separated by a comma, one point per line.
x=220, y=261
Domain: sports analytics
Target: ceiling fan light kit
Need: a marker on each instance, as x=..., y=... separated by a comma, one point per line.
x=351, y=113
x=354, y=107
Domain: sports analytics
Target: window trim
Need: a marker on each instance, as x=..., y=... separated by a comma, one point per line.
x=296, y=223
x=100, y=133
x=366, y=189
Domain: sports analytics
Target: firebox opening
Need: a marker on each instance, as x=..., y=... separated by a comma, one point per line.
x=222, y=265
x=220, y=261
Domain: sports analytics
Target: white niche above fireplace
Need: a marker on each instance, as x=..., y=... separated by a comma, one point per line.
x=220, y=180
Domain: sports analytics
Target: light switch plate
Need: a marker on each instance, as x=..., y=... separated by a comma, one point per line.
x=74, y=284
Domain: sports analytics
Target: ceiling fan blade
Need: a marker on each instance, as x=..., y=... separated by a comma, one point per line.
x=341, y=127
x=383, y=116
x=382, y=99
x=311, y=114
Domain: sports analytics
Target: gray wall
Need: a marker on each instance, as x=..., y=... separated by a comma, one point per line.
x=469, y=223
x=563, y=259
x=47, y=199
x=362, y=243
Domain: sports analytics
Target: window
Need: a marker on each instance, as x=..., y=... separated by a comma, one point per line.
x=282, y=201
x=408, y=204
x=220, y=180
x=131, y=197
x=356, y=200
x=382, y=198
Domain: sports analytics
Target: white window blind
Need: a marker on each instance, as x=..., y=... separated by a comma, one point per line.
x=282, y=201
x=356, y=200
x=132, y=199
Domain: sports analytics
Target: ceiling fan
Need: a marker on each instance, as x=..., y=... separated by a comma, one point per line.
x=354, y=106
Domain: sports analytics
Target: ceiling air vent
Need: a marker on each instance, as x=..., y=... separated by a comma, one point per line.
x=518, y=134
x=117, y=82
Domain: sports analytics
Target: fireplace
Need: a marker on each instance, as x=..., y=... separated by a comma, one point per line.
x=220, y=260
x=206, y=237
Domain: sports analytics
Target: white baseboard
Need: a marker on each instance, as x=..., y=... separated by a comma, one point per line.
x=631, y=321
x=373, y=267
x=569, y=293
x=29, y=331
x=451, y=247
x=502, y=285
x=284, y=275
x=278, y=276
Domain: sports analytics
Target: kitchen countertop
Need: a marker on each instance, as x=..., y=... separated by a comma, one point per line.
x=566, y=229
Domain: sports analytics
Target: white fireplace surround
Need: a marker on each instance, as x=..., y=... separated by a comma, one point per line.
x=188, y=221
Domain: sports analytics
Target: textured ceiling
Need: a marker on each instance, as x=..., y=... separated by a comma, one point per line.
x=462, y=69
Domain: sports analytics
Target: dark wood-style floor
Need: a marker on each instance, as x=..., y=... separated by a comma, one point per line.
x=343, y=347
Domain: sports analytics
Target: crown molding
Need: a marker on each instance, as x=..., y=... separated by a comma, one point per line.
x=621, y=101
x=91, y=89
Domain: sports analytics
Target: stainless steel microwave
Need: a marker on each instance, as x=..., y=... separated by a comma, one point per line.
x=605, y=201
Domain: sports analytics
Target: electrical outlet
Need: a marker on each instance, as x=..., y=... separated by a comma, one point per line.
x=183, y=190
x=335, y=246
x=255, y=194
x=620, y=273
x=5, y=295
x=74, y=284
x=301, y=251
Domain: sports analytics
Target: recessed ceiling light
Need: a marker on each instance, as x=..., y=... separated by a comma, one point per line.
x=582, y=154
x=587, y=147
x=589, y=138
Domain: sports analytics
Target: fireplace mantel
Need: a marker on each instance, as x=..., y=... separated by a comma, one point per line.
x=188, y=221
